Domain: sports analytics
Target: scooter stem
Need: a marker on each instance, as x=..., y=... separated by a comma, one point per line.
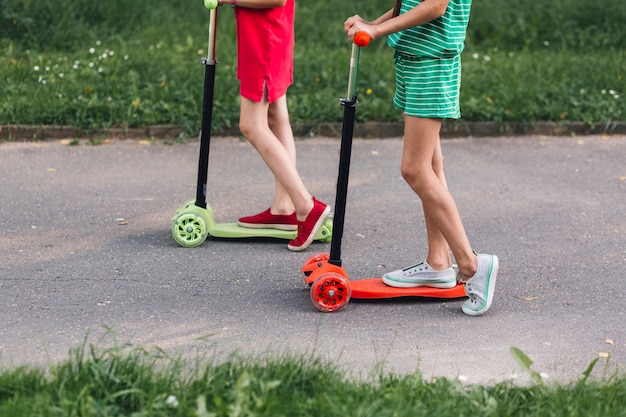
x=207, y=112
x=349, y=104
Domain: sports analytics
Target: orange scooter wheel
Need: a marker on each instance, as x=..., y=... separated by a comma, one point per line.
x=330, y=292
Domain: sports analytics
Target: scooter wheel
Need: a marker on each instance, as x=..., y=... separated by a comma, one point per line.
x=189, y=230
x=326, y=231
x=330, y=292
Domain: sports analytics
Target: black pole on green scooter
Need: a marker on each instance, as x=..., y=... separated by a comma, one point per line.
x=349, y=104
x=207, y=113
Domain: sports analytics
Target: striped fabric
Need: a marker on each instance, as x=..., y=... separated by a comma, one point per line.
x=428, y=87
x=441, y=38
x=428, y=62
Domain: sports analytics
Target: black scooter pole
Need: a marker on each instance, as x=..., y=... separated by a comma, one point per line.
x=349, y=110
x=207, y=112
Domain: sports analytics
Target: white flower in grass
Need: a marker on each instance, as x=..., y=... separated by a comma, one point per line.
x=92, y=50
x=171, y=401
x=486, y=58
x=475, y=55
x=36, y=68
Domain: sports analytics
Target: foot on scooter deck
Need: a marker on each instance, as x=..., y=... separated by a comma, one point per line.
x=375, y=288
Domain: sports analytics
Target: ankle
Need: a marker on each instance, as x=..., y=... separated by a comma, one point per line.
x=439, y=264
x=282, y=210
x=302, y=215
x=468, y=269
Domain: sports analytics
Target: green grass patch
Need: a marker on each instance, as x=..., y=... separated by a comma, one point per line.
x=128, y=64
x=133, y=381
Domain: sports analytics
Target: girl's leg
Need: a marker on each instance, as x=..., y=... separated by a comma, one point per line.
x=254, y=125
x=278, y=121
x=422, y=169
x=438, y=248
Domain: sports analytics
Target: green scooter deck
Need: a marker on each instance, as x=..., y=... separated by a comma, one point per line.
x=233, y=230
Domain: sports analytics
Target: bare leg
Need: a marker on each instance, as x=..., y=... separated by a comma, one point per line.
x=422, y=168
x=278, y=120
x=438, y=248
x=254, y=125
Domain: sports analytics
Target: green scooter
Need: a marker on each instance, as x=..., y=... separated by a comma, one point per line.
x=194, y=221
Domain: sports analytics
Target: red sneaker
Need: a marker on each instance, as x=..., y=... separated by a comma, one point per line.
x=271, y=221
x=309, y=228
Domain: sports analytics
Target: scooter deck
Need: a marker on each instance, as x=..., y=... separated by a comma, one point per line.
x=374, y=288
x=233, y=230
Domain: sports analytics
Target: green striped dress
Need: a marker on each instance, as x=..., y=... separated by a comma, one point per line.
x=428, y=63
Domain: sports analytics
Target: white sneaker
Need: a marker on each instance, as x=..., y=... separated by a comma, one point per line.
x=421, y=275
x=481, y=286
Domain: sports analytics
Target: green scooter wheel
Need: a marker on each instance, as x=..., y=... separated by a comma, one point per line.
x=189, y=229
x=325, y=234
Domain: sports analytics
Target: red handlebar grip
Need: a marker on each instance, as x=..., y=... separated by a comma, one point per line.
x=362, y=39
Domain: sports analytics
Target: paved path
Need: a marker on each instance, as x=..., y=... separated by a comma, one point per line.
x=85, y=245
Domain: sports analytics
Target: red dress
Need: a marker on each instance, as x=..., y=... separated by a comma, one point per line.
x=265, y=41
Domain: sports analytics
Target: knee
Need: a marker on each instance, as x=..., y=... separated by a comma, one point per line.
x=277, y=118
x=412, y=174
x=422, y=180
x=251, y=128
x=245, y=127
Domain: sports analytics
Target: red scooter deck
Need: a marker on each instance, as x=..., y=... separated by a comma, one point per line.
x=373, y=288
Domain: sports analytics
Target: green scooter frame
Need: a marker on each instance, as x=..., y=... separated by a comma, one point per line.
x=194, y=221
x=192, y=225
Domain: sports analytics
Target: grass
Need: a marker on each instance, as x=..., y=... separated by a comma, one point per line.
x=128, y=64
x=128, y=380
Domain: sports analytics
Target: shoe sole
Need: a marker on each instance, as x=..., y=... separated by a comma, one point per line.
x=403, y=284
x=287, y=227
x=314, y=231
x=490, y=288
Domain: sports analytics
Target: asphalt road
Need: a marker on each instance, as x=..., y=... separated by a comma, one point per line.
x=86, y=252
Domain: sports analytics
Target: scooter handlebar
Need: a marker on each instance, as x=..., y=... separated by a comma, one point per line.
x=210, y=4
x=362, y=39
